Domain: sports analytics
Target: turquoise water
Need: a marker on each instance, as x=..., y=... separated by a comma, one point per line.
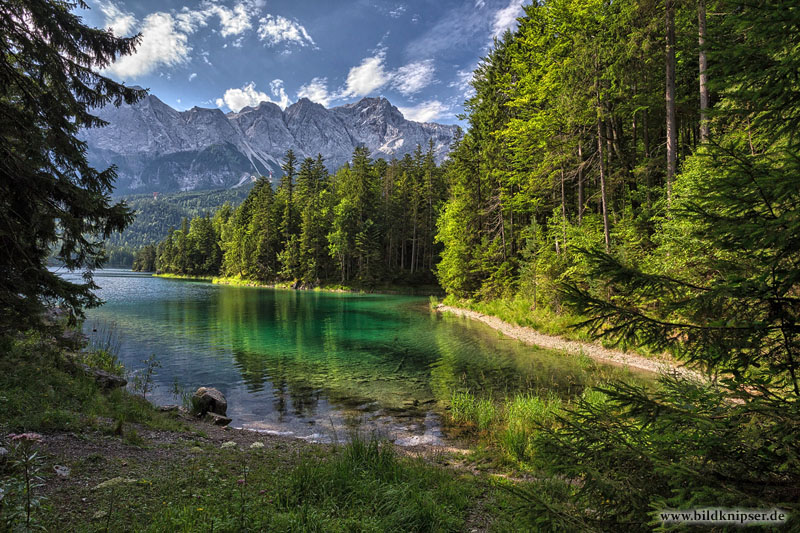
x=316, y=365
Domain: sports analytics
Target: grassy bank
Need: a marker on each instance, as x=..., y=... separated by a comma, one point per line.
x=521, y=312
x=379, y=288
x=505, y=431
x=248, y=483
x=184, y=276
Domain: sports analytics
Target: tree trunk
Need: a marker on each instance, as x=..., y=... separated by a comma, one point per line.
x=580, y=182
x=603, y=179
x=563, y=207
x=672, y=133
x=703, y=62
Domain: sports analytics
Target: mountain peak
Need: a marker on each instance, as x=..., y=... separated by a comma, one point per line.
x=158, y=148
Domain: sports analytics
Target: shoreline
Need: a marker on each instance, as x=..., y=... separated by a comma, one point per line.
x=599, y=353
x=397, y=290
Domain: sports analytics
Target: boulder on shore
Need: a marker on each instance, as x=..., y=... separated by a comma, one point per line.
x=217, y=420
x=209, y=400
x=106, y=380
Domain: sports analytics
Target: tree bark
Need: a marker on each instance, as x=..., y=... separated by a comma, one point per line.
x=563, y=207
x=703, y=62
x=672, y=133
x=603, y=180
x=580, y=182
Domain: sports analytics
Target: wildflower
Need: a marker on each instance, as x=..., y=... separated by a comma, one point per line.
x=199, y=508
x=240, y=481
x=229, y=444
x=257, y=445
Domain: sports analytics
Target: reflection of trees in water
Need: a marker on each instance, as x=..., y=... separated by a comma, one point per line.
x=306, y=342
x=351, y=350
x=289, y=387
x=476, y=363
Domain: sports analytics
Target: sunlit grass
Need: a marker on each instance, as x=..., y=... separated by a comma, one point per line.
x=509, y=424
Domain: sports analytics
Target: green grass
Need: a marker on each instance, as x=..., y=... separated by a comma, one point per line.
x=184, y=276
x=192, y=485
x=465, y=408
x=509, y=425
x=40, y=390
x=521, y=312
x=380, y=287
x=360, y=486
x=364, y=485
x=524, y=415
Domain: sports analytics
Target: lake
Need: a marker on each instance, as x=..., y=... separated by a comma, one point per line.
x=317, y=365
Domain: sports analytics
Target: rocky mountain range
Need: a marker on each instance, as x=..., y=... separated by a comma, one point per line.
x=157, y=148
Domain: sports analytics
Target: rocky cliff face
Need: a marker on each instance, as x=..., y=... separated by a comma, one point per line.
x=157, y=148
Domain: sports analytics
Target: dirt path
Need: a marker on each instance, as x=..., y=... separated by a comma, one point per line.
x=551, y=342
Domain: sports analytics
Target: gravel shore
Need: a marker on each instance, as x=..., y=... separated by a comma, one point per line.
x=551, y=342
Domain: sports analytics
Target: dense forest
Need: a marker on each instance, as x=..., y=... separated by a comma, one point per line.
x=572, y=144
x=156, y=214
x=370, y=222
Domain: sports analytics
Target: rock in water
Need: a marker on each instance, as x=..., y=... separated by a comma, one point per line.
x=208, y=399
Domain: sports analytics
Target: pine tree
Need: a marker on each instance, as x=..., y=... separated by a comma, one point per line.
x=734, y=315
x=51, y=199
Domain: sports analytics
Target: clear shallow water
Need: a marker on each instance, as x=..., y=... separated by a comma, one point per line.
x=317, y=365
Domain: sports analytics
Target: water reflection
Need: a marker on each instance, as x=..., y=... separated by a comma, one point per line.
x=314, y=364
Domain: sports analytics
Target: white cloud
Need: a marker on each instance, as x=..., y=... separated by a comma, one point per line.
x=165, y=35
x=369, y=76
x=188, y=21
x=414, y=77
x=162, y=45
x=317, y=91
x=233, y=21
x=463, y=82
x=398, y=11
x=277, y=29
x=426, y=111
x=192, y=76
x=506, y=18
x=279, y=92
x=456, y=28
x=249, y=96
x=118, y=21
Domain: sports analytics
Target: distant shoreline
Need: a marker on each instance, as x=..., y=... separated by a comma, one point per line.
x=287, y=285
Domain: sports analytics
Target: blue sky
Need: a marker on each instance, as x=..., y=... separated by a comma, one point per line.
x=229, y=54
